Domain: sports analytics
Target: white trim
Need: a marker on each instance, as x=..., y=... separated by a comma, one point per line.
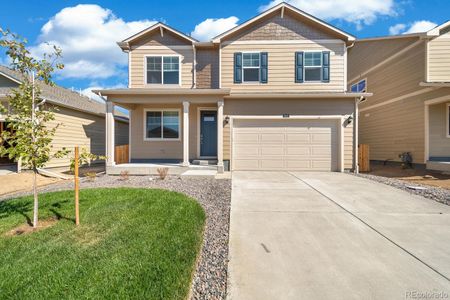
x=129, y=135
x=186, y=133
x=283, y=42
x=413, y=94
x=219, y=118
x=259, y=67
x=447, y=113
x=349, y=37
x=159, y=24
x=10, y=77
x=427, y=133
x=180, y=58
x=339, y=118
x=194, y=66
x=345, y=67
x=162, y=139
x=313, y=67
x=199, y=109
x=427, y=57
x=390, y=58
x=437, y=30
x=173, y=47
x=438, y=100
x=110, y=134
x=129, y=69
x=220, y=66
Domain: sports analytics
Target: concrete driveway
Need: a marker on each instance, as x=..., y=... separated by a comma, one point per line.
x=300, y=235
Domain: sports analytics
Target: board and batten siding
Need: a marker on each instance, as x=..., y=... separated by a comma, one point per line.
x=82, y=129
x=138, y=64
x=281, y=67
x=277, y=107
x=439, y=59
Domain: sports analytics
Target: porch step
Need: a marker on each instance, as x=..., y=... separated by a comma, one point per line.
x=204, y=162
x=443, y=166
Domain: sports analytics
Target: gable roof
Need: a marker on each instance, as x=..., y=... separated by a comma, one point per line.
x=56, y=94
x=282, y=6
x=437, y=30
x=125, y=44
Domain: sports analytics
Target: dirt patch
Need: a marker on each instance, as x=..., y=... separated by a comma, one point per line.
x=414, y=176
x=13, y=183
x=27, y=228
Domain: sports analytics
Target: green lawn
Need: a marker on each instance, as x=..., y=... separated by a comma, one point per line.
x=132, y=243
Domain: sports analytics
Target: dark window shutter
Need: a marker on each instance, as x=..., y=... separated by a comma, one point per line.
x=264, y=67
x=326, y=66
x=299, y=66
x=238, y=67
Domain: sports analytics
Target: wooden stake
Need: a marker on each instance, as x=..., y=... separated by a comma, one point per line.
x=77, y=207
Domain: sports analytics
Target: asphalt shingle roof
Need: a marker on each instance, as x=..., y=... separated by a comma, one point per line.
x=59, y=95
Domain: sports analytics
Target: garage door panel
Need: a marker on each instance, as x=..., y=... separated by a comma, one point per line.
x=246, y=138
x=285, y=145
x=271, y=151
x=246, y=151
x=298, y=137
x=271, y=137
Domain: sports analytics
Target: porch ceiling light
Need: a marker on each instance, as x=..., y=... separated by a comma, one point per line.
x=227, y=119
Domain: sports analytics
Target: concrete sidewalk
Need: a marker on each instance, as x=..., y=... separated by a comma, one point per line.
x=332, y=235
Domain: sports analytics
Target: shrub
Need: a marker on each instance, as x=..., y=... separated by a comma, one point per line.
x=91, y=176
x=124, y=175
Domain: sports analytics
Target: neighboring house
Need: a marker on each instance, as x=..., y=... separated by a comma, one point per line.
x=269, y=94
x=82, y=120
x=409, y=76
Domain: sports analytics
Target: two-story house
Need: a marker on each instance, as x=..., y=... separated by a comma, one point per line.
x=409, y=76
x=269, y=94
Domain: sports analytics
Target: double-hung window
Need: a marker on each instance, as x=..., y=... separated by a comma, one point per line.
x=163, y=69
x=359, y=87
x=313, y=66
x=251, y=65
x=162, y=125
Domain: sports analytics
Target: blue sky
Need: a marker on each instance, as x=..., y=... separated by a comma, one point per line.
x=87, y=31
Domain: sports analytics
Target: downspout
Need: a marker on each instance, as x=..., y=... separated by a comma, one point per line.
x=355, y=135
x=195, y=65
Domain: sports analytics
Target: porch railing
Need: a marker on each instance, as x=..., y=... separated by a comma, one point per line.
x=121, y=154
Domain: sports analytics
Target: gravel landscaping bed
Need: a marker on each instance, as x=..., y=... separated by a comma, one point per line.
x=434, y=193
x=210, y=278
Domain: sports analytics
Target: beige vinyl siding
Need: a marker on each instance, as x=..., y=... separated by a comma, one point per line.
x=281, y=67
x=439, y=59
x=366, y=54
x=277, y=107
x=141, y=149
x=439, y=140
x=84, y=130
x=138, y=65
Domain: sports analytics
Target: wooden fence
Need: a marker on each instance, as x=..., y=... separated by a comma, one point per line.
x=363, y=158
x=121, y=154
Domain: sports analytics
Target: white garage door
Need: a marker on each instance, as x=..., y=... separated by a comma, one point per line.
x=303, y=145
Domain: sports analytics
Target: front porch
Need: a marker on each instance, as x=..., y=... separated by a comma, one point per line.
x=437, y=134
x=169, y=131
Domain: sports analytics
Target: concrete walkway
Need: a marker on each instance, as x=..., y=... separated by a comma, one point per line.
x=334, y=236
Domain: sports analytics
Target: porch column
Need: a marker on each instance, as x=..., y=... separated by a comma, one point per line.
x=185, y=133
x=220, y=168
x=110, y=134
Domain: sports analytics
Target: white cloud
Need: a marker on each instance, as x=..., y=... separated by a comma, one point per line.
x=87, y=34
x=417, y=26
x=212, y=27
x=359, y=12
x=396, y=29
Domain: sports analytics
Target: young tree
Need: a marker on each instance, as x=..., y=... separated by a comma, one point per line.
x=29, y=135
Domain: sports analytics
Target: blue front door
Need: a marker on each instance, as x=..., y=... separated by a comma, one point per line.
x=208, y=133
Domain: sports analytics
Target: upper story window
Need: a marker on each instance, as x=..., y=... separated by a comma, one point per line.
x=313, y=66
x=250, y=67
x=359, y=87
x=163, y=70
